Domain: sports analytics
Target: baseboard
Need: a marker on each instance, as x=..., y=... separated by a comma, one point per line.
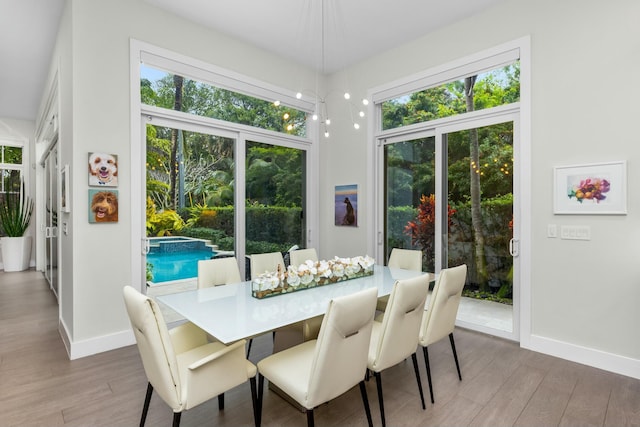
x=79, y=349
x=64, y=334
x=585, y=356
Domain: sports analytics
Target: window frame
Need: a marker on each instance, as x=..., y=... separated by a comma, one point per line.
x=469, y=65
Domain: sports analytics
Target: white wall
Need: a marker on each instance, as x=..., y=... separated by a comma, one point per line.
x=584, y=108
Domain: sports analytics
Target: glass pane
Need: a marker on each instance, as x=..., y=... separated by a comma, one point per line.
x=13, y=155
x=190, y=201
x=275, y=192
x=10, y=180
x=480, y=188
x=159, y=88
x=493, y=88
x=409, y=169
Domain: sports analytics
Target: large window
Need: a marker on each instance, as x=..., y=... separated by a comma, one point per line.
x=447, y=163
x=499, y=86
x=226, y=167
x=158, y=88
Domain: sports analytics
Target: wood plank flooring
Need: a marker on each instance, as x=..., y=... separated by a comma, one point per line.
x=502, y=385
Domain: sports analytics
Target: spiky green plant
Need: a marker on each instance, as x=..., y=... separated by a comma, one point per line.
x=15, y=214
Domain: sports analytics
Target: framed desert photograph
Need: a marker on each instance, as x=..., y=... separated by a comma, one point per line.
x=346, y=205
x=593, y=189
x=103, y=170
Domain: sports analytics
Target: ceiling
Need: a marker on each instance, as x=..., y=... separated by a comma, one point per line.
x=353, y=31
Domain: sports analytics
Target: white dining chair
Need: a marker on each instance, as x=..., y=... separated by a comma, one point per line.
x=218, y=271
x=300, y=256
x=317, y=371
x=181, y=366
x=407, y=259
x=267, y=262
x=395, y=338
x=439, y=320
x=287, y=335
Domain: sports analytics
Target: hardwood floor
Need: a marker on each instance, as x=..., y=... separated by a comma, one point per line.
x=502, y=385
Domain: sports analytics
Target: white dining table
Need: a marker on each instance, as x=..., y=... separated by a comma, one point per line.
x=230, y=312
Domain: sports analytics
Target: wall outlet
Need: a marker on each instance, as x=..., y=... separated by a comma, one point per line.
x=552, y=231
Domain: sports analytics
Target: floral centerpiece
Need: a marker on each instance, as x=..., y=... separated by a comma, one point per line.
x=310, y=274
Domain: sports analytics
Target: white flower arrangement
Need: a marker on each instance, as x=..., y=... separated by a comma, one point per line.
x=311, y=274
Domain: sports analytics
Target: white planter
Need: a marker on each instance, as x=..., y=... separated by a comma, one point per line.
x=16, y=252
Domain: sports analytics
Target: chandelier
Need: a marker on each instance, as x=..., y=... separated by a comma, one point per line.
x=321, y=113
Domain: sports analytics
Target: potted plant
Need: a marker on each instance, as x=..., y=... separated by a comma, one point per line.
x=15, y=215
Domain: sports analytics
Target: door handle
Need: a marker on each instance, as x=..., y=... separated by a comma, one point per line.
x=514, y=247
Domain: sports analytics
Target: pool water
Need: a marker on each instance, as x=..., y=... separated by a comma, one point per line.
x=167, y=267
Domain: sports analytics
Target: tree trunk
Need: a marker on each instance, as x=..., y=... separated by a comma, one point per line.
x=476, y=212
x=173, y=172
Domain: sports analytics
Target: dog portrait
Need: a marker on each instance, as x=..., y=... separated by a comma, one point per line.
x=103, y=170
x=103, y=206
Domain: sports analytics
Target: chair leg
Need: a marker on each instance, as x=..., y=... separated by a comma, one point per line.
x=145, y=407
x=415, y=368
x=380, y=399
x=221, y=402
x=259, y=399
x=310, y=422
x=365, y=401
x=455, y=354
x=426, y=363
x=254, y=401
x=176, y=419
x=249, y=347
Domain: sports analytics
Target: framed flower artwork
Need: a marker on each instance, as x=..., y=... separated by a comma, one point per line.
x=591, y=189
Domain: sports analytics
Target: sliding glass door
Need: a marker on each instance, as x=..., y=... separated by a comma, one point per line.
x=409, y=177
x=449, y=191
x=190, y=200
x=478, y=181
x=275, y=186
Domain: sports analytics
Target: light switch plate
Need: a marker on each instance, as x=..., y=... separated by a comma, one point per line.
x=575, y=232
x=552, y=231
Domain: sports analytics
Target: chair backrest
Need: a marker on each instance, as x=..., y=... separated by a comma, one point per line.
x=261, y=263
x=439, y=319
x=154, y=344
x=218, y=271
x=408, y=259
x=398, y=337
x=301, y=255
x=341, y=351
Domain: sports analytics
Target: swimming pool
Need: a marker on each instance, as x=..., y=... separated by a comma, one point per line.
x=176, y=258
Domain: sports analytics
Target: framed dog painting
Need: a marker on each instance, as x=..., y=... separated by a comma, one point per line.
x=346, y=205
x=103, y=170
x=103, y=206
